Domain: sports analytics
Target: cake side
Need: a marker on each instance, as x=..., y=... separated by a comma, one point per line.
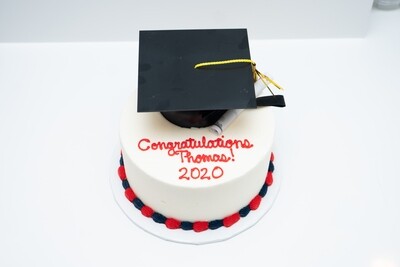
x=192, y=174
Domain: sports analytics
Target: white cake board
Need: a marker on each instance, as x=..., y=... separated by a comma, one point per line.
x=189, y=237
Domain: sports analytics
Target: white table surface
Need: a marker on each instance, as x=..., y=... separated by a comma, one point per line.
x=337, y=149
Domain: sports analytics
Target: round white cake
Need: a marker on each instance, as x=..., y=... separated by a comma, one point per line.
x=194, y=174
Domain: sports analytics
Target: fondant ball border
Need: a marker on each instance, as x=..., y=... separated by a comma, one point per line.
x=197, y=226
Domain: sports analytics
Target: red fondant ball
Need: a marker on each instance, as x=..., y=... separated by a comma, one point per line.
x=232, y=219
x=255, y=202
x=172, y=223
x=200, y=226
x=121, y=172
x=129, y=194
x=270, y=179
x=147, y=211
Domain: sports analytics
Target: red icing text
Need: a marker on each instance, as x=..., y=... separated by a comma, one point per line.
x=176, y=147
x=201, y=173
x=218, y=150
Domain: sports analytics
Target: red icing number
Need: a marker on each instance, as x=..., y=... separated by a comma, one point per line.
x=200, y=173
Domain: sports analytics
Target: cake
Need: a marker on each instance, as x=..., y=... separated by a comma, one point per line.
x=191, y=178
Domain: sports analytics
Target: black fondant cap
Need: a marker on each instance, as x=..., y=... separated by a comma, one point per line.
x=169, y=83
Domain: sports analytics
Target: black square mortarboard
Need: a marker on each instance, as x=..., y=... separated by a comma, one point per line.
x=189, y=97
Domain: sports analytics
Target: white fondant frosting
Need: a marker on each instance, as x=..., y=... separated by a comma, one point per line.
x=193, y=174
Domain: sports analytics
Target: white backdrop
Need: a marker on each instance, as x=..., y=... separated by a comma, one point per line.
x=337, y=151
x=120, y=20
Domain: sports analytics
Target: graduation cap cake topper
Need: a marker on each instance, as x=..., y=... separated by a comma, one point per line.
x=169, y=83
